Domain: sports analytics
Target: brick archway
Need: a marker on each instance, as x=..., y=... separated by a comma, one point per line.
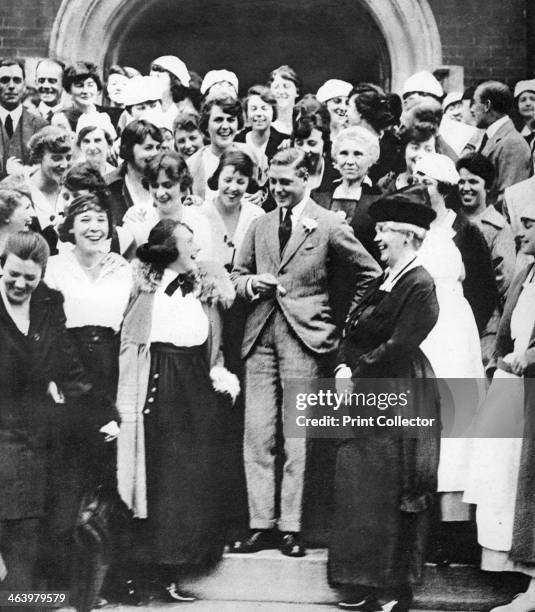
x=88, y=29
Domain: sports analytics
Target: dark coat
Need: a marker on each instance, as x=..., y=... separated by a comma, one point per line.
x=274, y=141
x=479, y=285
x=120, y=198
x=384, y=484
x=17, y=146
x=27, y=415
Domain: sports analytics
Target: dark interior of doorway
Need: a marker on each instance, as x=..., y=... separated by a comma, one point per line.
x=321, y=39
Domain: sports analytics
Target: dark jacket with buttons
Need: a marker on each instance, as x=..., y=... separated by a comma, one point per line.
x=28, y=364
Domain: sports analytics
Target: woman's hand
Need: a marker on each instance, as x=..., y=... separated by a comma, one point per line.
x=14, y=166
x=256, y=198
x=111, y=430
x=193, y=200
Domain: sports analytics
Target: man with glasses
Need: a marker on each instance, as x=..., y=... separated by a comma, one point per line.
x=49, y=81
x=18, y=125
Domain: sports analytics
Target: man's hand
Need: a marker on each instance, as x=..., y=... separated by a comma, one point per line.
x=264, y=284
x=518, y=362
x=110, y=430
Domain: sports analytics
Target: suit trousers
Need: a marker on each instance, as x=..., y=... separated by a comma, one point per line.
x=277, y=356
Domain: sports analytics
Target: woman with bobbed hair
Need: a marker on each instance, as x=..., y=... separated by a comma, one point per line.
x=260, y=109
x=169, y=183
x=174, y=77
x=16, y=212
x=170, y=370
x=82, y=81
x=95, y=144
x=51, y=149
x=285, y=85
x=333, y=95
x=525, y=105
x=219, y=121
x=35, y=350
x=415, y=141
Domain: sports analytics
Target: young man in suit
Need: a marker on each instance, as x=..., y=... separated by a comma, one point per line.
x=501, y=143
x=18, y=125
x=285, y=269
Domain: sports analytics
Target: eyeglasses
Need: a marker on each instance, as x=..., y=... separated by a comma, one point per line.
x=5, y=80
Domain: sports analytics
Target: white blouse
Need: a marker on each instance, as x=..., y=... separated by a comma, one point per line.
x=177, y=319
x=99, y=302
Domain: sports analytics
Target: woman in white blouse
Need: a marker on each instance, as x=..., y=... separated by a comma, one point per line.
x=95, y=285
x=172, y=436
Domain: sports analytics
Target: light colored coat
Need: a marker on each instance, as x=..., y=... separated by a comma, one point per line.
x=134, y=370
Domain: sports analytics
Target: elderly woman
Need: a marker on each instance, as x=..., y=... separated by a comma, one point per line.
x=384, y=484
x=354, y=151
x=333, y=94
x=38, y=358
x=16, y=211
x=170, y=368
x=51, y=149
x=285, y=86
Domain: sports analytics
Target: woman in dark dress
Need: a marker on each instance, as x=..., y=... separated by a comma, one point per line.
x=173, y=421
x=385, y=482
x=39, y=366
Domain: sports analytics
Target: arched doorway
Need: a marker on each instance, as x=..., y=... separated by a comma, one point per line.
x=380, y=40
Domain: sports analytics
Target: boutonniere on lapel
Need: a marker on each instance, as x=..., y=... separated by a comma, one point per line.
x=309, y=224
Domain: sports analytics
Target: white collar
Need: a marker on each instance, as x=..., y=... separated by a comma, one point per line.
x=397, y=272
x=342, y=192
x=297, y=210
x=494, y=127
x=16, y=114
x=44, y=109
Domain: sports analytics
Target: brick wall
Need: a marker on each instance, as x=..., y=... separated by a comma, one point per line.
x=25, y=26
x=487, y=37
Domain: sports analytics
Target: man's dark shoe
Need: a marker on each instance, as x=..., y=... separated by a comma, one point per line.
x=291, y=545
x=260, y=539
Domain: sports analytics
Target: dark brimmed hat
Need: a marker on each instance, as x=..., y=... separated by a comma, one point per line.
x=409, y=205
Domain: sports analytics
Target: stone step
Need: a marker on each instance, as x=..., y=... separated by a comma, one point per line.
x=269, y=576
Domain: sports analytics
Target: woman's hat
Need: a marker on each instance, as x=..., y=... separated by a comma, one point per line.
x=218, y=76
x=410, y=206
x=523, y=86
x=141, y=89
x=438, y=167
x=96, y=120
x=333, y=88
x=175, y=66
x=453, y=97
x=423, y=82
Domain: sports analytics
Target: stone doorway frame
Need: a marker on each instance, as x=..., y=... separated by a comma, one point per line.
x=86, y=29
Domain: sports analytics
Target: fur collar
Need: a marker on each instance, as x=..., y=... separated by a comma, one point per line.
x=214, y=284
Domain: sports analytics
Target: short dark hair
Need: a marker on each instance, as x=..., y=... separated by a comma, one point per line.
x=498, y=94
x=288, y=73
x=12, y=61
x=291, y=158
x=478, y=164
x=373, y=104
x=304, y=123
x=265, y=94
x=230, y=106
x=417, y=132
x=91, y=128
x=27, y=245
x=79, y=72
x=50, y=138
x=135, y=133
x=84, y=176
x=10, y=200
x=242, y=163
x=160, y=250
x=93, y=201
x=188, y=122
x=173, y=166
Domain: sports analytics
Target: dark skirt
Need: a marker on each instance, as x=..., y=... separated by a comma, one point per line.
x=373, y=542
x=184, y=437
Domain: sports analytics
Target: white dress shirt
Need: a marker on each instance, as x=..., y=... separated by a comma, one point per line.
x=16, y=115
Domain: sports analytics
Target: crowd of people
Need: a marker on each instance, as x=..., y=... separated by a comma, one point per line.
x=173, y=255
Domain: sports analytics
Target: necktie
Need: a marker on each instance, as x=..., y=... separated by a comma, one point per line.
x=8, y=125
x=49, y=116
x=185, y=281
x=483, y=144
x=285, y=228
